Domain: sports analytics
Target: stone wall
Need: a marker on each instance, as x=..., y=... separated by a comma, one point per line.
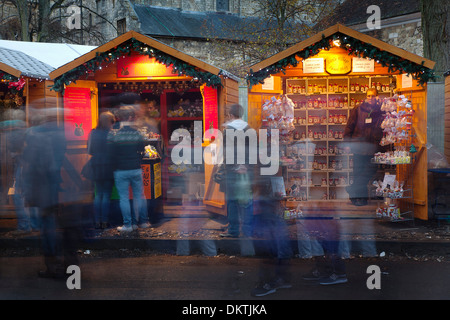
x=406, y=36
x=105, y=21
x=205, y=51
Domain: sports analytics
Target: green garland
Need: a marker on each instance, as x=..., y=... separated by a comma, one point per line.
x=354, y=47
x=179, y=67
x=8, y=77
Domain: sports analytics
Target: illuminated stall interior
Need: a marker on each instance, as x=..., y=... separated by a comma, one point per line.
x=325, y=77
x=171, y=89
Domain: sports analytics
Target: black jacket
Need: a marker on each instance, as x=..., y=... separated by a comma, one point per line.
x=101, y=161
x=125, y=148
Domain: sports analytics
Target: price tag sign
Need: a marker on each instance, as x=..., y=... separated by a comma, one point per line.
x=313, y=65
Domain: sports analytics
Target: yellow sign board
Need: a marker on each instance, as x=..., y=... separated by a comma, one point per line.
x=157, y=175
x=338, y=64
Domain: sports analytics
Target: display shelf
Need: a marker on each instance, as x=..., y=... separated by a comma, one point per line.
x=322, y=109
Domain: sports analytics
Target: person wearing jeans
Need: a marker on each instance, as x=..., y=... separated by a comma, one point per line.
x=102, y=202
x=102, y=169
x=123, y=179
x=125, y=148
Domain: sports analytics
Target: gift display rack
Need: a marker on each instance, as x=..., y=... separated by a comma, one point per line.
x=315, y=162
x=397, y=192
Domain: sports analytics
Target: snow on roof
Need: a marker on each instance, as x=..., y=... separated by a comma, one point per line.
x=53, y=54
x=25, y=64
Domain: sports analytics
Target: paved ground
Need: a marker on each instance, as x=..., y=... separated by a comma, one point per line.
x=113, y=276
x=184, y=230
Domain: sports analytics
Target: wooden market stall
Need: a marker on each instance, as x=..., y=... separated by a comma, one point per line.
x=325, y=76
x=171, y=88
x=23, y=86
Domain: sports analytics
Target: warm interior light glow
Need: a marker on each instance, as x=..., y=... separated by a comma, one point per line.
x=337, y=42
x=142, y=66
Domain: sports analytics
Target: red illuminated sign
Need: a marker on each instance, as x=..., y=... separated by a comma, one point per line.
x=142, y=66
x=77, y=113
x=210, y=108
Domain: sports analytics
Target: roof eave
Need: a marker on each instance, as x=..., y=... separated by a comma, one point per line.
x=10, y=70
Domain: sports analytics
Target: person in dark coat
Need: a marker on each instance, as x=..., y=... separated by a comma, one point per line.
x=362, y=136
x=102, y=169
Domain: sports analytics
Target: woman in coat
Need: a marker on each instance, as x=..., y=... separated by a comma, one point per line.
x=102, y=169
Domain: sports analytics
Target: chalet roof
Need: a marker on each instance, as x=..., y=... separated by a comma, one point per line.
x=142, y=38
x=261, y=69
x=351, y=33
x=68, y=70
x=353, y=12
x=19, y=64
x=36, y=59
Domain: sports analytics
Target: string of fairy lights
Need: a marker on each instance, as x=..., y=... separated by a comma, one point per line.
x=354, y=47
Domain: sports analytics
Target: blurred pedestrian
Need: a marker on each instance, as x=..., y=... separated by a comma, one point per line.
x=14, y=127
x=45, y=147
x=125, y=148
x=275, y=274
x=362, y=137
x=239, y=176
x=329, y=269
x=102, y=169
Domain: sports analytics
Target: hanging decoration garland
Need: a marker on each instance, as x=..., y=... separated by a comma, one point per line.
x=354, y=47
x=127, y=48
x=15, y=84
x=8, y=77
x=18, y=85
x=14, y=97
